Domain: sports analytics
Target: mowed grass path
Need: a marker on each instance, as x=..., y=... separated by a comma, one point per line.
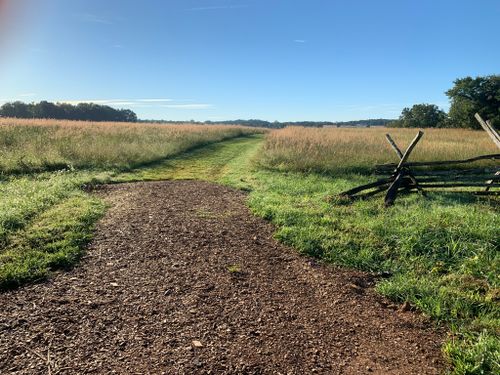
x=222, y=161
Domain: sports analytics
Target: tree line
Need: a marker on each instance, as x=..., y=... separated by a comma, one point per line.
x=64, y=111
x=279, y=125
x=467, y=97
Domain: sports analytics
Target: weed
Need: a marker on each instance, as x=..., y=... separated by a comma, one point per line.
x=234, y=269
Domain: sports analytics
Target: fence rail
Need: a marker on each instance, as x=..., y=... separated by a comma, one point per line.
x=405, y=176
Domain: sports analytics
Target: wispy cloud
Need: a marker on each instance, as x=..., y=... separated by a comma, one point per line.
x=27, y=95
x=154, y=100
x=217, y=7
x=117, y=101
x=300, y=41
x=188, y=106
x=93, y=18
x=142, y=103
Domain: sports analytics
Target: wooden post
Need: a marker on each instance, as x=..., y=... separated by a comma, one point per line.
x=394, y=145
x=410, y=148
x=400, y=154
x=486, y=125
x=392, y=192
x=401, y=172
x=493, y=130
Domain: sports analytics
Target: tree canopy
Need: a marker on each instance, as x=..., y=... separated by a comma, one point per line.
x=474, y=95
x=421, y=116
x=64, y=111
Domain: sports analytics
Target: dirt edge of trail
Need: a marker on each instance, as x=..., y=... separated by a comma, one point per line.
x=182, y=279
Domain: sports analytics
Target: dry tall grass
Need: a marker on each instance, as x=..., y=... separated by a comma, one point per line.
x=38, y=145
x=359, y=150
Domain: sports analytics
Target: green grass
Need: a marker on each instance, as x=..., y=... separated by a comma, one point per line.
x=22, y=198
x=34, y=145
x=53, y=240
x=46, y=218
x=45, y=221
x=215, y=162
x=442, y=252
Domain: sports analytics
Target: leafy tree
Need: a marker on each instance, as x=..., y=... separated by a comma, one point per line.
x=63, y=111
x=474, y=95
x=45, y=109
x=421, y=116
x=128, y=115
x=16, y=109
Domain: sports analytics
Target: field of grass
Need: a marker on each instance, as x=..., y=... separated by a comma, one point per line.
x=44, y=145
x=341, y=150
x=440, y=253
x=46, y=217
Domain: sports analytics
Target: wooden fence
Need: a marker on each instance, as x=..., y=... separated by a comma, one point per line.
x=421, y=176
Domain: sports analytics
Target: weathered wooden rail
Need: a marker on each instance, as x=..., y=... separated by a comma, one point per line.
x=407, y=176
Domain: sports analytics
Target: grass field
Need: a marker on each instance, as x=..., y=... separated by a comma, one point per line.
x=43, y=145
x=337, y=150
x=441, y=253
x=46, y=217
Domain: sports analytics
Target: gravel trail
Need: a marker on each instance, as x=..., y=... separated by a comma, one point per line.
x=182, y=279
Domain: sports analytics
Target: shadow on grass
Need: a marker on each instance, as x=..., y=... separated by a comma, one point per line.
x=27, y=170
x=206, y=146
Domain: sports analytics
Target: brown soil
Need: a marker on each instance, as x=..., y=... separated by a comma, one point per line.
x=182, y=279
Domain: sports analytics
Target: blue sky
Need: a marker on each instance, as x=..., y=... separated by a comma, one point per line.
x=226, y=59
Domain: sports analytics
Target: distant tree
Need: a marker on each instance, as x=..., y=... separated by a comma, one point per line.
x=45, y=109
x=68, y=111
x=16, y=109
x=474, y=95
x=367, y=123
x=421, y=116
x=128, y=115
x=82, y=111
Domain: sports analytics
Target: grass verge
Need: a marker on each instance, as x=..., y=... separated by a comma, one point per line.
x=53, y=240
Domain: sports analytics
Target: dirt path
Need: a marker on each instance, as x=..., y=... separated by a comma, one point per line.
x=174, y=263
